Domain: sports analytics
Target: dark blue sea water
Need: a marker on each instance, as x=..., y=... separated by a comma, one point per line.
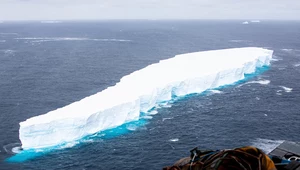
x=47, y=66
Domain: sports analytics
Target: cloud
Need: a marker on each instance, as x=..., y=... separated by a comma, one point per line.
x=148, y=9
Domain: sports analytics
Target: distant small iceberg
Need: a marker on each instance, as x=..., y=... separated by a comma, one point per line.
x=245, y=22
x=255, y=21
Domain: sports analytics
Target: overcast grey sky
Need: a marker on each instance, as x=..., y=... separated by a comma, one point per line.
x=148, y=9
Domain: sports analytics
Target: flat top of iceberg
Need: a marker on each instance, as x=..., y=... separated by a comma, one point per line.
x=157, y=75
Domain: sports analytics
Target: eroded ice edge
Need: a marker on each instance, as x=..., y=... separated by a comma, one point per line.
x=141, y=91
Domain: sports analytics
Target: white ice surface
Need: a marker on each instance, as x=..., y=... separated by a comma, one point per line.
x=140, y=91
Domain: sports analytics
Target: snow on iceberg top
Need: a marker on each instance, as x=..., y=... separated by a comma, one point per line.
x=142, y=82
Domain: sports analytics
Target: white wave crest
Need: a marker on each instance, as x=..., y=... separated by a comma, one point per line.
x=174, y=140
x=278, y=92
x=12, y=148
x=216, y=91
x=167, y=118
x=131, y=127
x=266, y=145
x=262, y=82
x=276, y=58
x=147, y=117
x=153, y=112
x=8, y=52
x=165, y=105
x=297, y=65
x=287, y=49
x=69, y=145
x=286, y=89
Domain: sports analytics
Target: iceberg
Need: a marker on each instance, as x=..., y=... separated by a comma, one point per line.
x=141, y=91
x=50, y=22
x=255, y=21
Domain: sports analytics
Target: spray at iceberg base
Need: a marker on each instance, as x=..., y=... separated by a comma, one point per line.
x=139, y=92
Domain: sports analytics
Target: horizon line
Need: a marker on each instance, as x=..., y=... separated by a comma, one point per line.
x=131, y=19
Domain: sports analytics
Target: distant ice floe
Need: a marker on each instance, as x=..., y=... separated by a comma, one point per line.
x=2, y=41
x=8, y=33
x=266, y=145
x=239, y=41
x=48, y=39
x=236, y=40
x=286, y=89
x=174, y=140
x=51, y=22
x=251, y=21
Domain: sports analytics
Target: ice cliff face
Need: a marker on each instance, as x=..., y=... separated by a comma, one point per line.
x=139, y=92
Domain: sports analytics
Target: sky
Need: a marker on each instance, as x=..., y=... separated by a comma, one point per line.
x=148, y=9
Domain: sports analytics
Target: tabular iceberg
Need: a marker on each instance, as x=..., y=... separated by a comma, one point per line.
x=139, y=92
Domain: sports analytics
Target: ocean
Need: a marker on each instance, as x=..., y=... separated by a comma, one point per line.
x=44, y=66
